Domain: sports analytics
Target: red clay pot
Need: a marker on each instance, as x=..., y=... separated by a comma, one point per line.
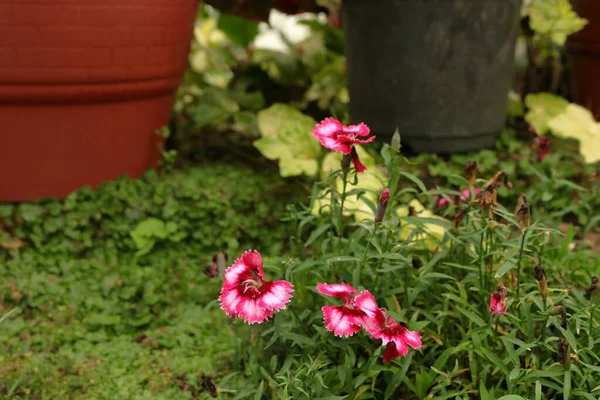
x=584, y=57
x=84, y=85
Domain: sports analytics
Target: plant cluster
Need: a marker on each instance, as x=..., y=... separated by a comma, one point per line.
x=496, y=304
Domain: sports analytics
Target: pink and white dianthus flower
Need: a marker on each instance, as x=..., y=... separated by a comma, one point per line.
x=246, y=294
x=394, y=336
x=337, y=137
x=343, y=320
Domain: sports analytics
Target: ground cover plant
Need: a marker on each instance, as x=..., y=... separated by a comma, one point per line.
x=114, y=293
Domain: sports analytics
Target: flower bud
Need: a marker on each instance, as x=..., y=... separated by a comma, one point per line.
x=564, y=356
x=523, y=215
x=382, y=205
x=540, y=276
x=395, y=143
x=560, y=310
x=470, y=172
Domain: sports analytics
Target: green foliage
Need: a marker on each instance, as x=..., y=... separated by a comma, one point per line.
x=554, y=19
x=286, y=137
x=105, y=297
x=443, y=291
x=548, y=112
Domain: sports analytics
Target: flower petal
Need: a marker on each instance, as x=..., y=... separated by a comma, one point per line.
x=252, y=313
x=230, y=299
x=394, y=350
x=358, y=130
x=340, y=290
x=339, y=322
x=253, y=260
x=412, y=338
x=275, y=295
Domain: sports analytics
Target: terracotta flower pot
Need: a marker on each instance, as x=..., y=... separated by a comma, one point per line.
x=584, y=56
x=84, y=85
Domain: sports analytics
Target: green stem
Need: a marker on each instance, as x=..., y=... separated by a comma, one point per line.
x=481, y=261
x=519, y=268
x=406, y=285
x=344, y=185
x=590, y=333
x=363, y=258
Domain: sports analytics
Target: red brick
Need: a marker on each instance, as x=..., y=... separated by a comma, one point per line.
x=58, y=57
x=4, y=13
x=111, y=15
x=129, y=56
x=80, y=36
x=8, y=56
x=159, y=55
x=19, y=35
x=151, y=35
x=109, y=74
x=43, y=14
x=14, y=75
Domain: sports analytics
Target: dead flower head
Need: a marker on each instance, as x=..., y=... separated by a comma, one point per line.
x=500, y=179
x=523, y=215
x=540, y=276
x=487, y=198
x=560, y=310
x=564, y=352
x=594, y=290
x=471, y=170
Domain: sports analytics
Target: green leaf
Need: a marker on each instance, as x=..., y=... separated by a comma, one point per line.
x=240, y=31
x=512, y=397
x=567, y=385
x=554, y=19
x=507, y=266
x=542, y=108
x=578, y=123
x=286, y=136
x=472, y=316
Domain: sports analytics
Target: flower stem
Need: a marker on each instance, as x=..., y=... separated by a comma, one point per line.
x=343, y=200
x=481, y=260
x=590, y=333
x=519, y=268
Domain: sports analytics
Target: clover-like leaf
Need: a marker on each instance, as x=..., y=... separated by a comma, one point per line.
x=555, y=20
x=286, y=136
x=576, y=122
x=542, y=108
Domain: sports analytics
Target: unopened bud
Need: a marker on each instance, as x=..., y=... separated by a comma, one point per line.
x=564, y=356
x=395, y=143
x=540, y=276
x=382, y=205
x=560, y=310
x=524, y=215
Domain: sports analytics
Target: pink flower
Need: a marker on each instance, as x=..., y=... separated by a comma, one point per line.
x=337, y=137
x=540, y=144
x=463, y=197
x=343, y=320
x=246, y=294
x=394, y=336
x=382, y=205
x=498, y=301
